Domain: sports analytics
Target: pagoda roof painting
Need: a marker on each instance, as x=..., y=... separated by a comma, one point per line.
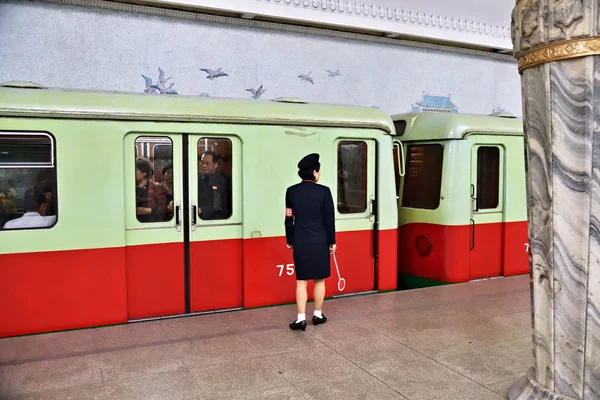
x=435, y=103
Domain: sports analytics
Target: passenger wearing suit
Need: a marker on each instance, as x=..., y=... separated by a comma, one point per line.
x=310, y=232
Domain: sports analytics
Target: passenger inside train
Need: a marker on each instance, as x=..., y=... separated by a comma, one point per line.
x=36, y=203
x=151, y=199
x=167, y=186
x=8, y=205
x=213, y=188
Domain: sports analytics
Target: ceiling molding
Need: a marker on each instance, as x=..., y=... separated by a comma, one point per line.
x=370, y=9
x=392, y=38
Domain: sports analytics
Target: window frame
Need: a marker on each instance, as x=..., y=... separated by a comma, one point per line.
x=149, y=135
x=406, y=177
x=364, y=178
x=501, y=176
x=52, y=165
x=230, y=179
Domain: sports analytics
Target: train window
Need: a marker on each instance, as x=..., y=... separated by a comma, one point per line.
x=352, y=177
x=28, y=196
x=214, y=178
x=154, y=198
x=488, y=177
x=423, y=178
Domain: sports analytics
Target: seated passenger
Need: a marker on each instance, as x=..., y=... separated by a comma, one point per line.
x=35, y=207
x=213, y=189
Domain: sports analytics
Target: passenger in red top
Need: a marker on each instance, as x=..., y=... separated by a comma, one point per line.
x=310, y=232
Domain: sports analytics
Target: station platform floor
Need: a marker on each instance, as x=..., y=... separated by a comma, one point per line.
x=464, y=341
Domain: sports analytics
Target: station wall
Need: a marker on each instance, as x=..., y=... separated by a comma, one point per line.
x=80, y=46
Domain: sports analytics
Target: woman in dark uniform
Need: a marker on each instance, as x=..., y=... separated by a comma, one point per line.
x=310, y=232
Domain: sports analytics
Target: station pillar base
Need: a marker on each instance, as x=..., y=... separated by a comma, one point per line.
x=527, y=388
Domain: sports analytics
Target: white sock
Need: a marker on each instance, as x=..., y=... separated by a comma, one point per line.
x=318, y=314
x=301, y=317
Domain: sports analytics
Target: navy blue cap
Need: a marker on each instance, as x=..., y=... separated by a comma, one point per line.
x=309, y=162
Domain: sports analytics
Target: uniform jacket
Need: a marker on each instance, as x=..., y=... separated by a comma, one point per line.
x=309, y=217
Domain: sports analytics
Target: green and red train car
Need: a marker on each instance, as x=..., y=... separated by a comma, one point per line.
x=85, y=252
x=93, y=261
x=462, y=203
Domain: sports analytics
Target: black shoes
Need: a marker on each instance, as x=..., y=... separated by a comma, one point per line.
x=302, y=324
x=298, y=325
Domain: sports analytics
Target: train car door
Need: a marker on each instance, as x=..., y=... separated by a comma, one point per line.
x=356, y=215
x=154, y=236
x=183, y=224
x=215, y=251
x=487, y=205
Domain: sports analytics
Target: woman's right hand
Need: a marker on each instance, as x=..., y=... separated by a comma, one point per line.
x=289, y=246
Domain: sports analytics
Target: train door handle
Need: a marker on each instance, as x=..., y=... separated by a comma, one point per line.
x=472, y=234
x=178, y=216
x=193, y=216
x=400, y=157
x=474, y=204
x=372, y=209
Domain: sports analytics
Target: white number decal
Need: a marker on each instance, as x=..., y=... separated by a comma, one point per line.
x=527, y=247
x=289, y=269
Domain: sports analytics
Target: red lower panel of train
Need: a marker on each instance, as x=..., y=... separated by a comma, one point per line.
x=215, y=274
x=51, y=291
x=155, y=280
x=269, y=273
x=459, y=253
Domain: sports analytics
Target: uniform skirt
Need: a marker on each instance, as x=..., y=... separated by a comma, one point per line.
x=312, y=261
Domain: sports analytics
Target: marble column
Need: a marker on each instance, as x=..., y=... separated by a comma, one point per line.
x=557, y=45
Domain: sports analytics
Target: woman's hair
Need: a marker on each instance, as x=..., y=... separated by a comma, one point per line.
x=143, y=164
x=307, y=173
x=167, y=167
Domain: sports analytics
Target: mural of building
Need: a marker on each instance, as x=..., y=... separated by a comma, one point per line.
x=434, y=103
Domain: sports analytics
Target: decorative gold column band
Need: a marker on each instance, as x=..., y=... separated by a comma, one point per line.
x=560, y=51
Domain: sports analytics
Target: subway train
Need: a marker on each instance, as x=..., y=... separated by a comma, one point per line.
x=120, y=207
x=462, y=208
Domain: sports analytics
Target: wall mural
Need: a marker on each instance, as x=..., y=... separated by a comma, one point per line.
x=212, y=74
x=159, y=86
x=316, y=69
x=434, y=103
x=428, y=103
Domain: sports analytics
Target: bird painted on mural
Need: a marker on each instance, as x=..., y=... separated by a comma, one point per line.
x=150, y=88
x=164, y=90
x=160, y=84
x=333, y=74
x=212, y=74
x=306, y=77
x=256, y=93
x=161, y=78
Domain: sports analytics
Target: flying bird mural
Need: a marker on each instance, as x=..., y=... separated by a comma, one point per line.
x=306, y=77
x=212, y=73
x=256, y=93
x=333, y=74
x=159, y=86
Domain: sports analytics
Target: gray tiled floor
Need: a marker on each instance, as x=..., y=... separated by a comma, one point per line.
x=467, y=341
